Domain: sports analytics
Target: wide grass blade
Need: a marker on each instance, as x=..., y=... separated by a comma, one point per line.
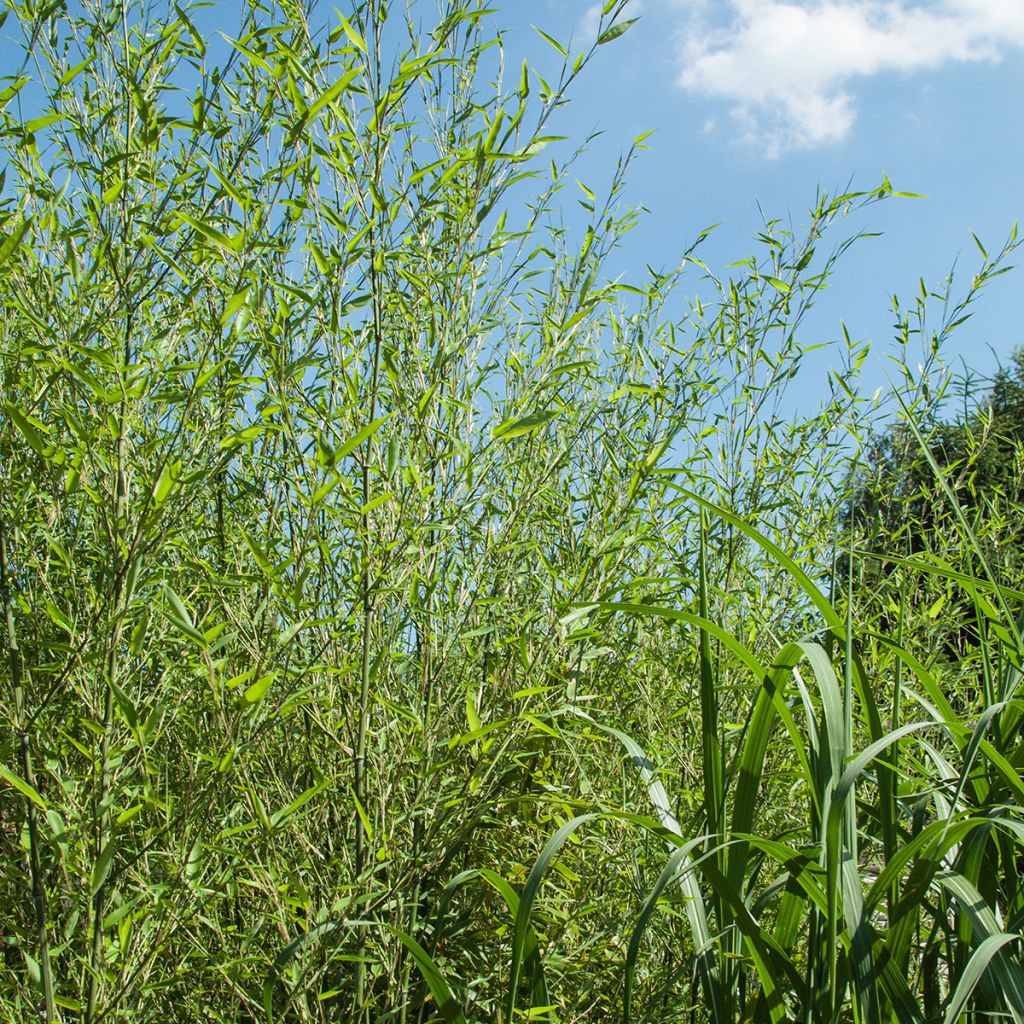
x=520, y=937
x=980, y=962
x=694, y=906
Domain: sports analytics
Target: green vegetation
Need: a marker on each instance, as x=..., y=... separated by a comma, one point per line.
x=409, y=621
x=900, y=507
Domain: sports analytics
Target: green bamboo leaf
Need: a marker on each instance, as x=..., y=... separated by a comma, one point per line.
x=12, y=90
x=446, y=1003
x=535, y=146
x=359, y=437
x=32, y=968
x=353, y=36
x=235, y=303
x=58, y=617
x=124, y=703
x=197, y=40
x=242, y=437
x=29, y=428
x=101, y=868
x=288, y=634
x=13, y=238
x=263, y=560
x=169, y=475
x=364, y=818
x=375, y=503
x=554, y=42
x=180, y=618
x=279, y=817
x=138, y=637
x=523, y=425
x=616, y=30
x=255, y=693
x=324, y=489
x=210, y=232
x=44, y=121
x=21, y=786
x=178, y=607
x=110, y=194
x=332, y=92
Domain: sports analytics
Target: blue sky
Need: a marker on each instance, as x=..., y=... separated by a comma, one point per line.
x=763, y=101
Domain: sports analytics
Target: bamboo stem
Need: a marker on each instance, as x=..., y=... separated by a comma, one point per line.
x=35, y=867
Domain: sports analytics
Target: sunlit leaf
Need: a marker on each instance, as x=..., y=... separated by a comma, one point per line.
x=523, y=425
x=21, y=786
x=616, y=30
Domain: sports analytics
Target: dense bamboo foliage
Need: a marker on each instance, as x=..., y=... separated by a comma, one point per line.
x=407, y=619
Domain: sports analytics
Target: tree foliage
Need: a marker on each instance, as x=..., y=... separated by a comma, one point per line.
x=908, y=499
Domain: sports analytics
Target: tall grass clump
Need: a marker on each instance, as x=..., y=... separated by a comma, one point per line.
x=372, y=556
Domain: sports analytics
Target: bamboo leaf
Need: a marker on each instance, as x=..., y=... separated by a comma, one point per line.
x=101, y=867
x=359, y=437
x=523, y=425
x=332, y=92
x=29, y=428
x=279, y=817
x=11, y=239
x=616, y=30
x=21, y=786
x=255, y=693
x=12, y=90
x=446, y=1003
x=353, y=36
x=58, y=617
x=180, y=618
x=553, y=42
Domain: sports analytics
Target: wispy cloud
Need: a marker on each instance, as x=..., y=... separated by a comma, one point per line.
x=787, y=67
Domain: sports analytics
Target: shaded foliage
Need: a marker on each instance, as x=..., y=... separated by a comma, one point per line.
x=899, y=507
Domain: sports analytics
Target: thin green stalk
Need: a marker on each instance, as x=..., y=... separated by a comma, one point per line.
x=104, y=819
x=375, y=241
x=890, y=838
x=714, y=766
x=103, y=809
x=365, y=657
x=24, y=746
x=427, y=691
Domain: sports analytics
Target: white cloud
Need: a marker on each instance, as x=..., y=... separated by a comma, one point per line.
x=588, y=25
x=786, y=67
